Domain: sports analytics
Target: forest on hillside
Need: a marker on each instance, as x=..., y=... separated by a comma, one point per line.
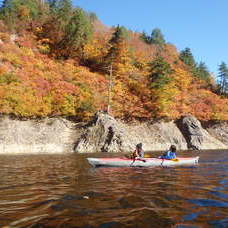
x=58, y=60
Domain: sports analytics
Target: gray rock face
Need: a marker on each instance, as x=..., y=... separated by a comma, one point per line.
x=50, y=135
x=219, y=131
x=196, y=137
x=192, y=130
x=103, y=134
x=106, y=134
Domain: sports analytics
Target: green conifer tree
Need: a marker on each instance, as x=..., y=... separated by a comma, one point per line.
x=160, y=73
x=223, y=79
x=117, y=38
x=145, y=38
x=18, y=14
x=77, y=33
x=187, y=57
x=202, y=72
x=157, y=37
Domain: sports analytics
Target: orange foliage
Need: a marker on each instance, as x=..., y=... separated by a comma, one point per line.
x=33, y=84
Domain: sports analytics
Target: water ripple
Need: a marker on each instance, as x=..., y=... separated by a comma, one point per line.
x=64, y=191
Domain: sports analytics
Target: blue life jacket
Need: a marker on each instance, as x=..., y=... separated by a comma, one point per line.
x=169, y=155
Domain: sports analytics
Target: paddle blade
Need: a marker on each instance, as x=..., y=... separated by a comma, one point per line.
x=147, y=156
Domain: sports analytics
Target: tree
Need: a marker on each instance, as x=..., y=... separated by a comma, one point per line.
x=64, y=9
x=77, y=33
x=160, y=83
x=92, y=16
x=145, y=38
x=202, y=72
x=118, y=35
x=157, y=37
x=160, y=73
x=187, y=57
x=52, y=3
x=223, y=78
x=117, y=47
x=20, y=13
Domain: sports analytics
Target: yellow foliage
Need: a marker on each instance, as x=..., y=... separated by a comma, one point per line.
x=22, y=101
x=23, y=12
x=5, y=37
x=94, y=49
x=12, y=58
x=27, y=51
x=44, y=48
x=43, y=86
x=38, y=29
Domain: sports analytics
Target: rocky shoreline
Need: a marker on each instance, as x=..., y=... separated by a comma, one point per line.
x=106, y=134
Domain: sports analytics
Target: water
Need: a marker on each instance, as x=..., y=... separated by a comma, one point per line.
x=64, y=191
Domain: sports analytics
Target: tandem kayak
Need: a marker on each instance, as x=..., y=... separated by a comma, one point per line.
x=145, y=162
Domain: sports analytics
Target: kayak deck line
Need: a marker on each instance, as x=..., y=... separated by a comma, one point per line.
x=145, y=162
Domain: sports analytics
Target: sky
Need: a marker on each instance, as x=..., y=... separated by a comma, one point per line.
x=201, y=25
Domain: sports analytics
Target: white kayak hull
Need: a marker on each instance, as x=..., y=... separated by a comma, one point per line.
x=145, y=162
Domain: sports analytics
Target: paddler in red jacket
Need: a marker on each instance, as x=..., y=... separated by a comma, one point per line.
x=138, y=153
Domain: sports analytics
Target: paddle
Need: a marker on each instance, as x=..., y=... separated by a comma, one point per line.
x=174, y=159
x=138, y=159
x=147, y=156
x=133, y=156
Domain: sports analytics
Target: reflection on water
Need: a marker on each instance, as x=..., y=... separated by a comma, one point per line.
x=64, y=191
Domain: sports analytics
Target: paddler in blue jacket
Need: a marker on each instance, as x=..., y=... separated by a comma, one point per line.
x=170, y=154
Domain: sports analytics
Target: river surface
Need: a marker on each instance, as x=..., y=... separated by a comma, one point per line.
x=64, y=191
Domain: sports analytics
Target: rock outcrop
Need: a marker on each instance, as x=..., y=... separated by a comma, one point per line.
x=50, y=135
x=196, y=137
x=103, y=133
x=219, y=131
x=106, y=134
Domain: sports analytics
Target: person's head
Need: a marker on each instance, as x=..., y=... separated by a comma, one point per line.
x=173, y=148
x=139, y=146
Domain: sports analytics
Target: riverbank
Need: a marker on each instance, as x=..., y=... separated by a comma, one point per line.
x=106, y=134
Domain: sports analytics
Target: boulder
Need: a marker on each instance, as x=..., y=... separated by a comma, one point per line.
x=196, y=136
x=219, y=130
x=102, y=134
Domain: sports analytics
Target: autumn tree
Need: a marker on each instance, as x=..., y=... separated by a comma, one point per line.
x=67, y=30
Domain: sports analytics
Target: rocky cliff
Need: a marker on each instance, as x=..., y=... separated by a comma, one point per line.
x=106, y=134
x=51, y=135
